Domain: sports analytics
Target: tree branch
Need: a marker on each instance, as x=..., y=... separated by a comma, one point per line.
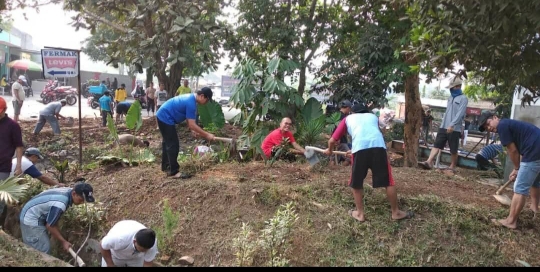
x=104, y=21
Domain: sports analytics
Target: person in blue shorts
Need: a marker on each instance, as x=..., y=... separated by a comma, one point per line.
x=175, y=111
x=522, y=142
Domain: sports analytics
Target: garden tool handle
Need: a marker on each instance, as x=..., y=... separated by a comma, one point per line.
x=322, y=150
x=80, y=262
x=228, y=140
x=499, y=191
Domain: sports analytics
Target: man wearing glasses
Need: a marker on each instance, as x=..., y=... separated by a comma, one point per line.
x=277, y=138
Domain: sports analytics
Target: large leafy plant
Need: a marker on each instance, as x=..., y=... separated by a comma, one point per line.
x=261, y=91
x=211, y=113
x=311, y=123
x=134, y=116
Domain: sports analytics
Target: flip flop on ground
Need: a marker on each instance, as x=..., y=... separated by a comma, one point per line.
x=408, y=215
x=351, y=213
x=425, y=165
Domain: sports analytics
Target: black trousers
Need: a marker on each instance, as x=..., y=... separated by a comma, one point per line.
x=104, y=117
x=170, y=146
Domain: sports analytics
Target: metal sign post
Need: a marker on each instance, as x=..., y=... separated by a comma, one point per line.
x=66, y=63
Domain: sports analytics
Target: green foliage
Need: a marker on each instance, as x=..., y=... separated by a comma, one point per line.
x=395, y=133
x=261, y=90
x=332, y=122
x=168, y=36
x=498, y=40
x=293, y=30
x=166, y=233
x=11, y=191
x=133, y=158
x=61, y=169
x=273, y=242
x=312, y=123
x=134, y=116
x=113, y=132
x=211, y=113
x=439, y=93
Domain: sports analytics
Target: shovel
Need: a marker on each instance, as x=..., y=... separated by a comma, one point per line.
x=80, y=262
x=230, y=141
x=503, y=199
x=312, y=157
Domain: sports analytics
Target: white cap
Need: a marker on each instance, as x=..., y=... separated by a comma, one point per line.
x=456, y=81
x=23, y=78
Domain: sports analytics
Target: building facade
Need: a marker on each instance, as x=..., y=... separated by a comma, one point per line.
x=16, y=44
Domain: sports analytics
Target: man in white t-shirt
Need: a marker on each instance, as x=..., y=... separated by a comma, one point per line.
x=161, y=96
x=18, y=95
x=129, y=244
x=31, y=156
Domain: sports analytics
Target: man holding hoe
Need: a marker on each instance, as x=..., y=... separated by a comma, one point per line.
x=368, y=153
x=522, y=141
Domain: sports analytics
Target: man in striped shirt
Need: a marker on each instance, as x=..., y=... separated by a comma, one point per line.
x=487, y=153
x=42, y=213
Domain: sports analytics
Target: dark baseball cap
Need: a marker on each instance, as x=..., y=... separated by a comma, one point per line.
x=207, y=92
x=345, y=104
x=359, y=108
x=483, y=119
x=33, y=151
x=84, y=189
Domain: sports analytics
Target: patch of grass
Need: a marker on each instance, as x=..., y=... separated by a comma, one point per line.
x=270, y=196
x=166, y=233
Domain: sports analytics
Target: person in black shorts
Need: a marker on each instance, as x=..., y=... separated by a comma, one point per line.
x=450, y=129
x=368, y=153
x=122, y=109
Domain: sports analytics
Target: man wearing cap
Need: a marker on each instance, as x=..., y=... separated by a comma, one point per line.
x=345, y=110
x=18, y=95
x=51, y=114
x=105, y=107
x=175, y=111
x=128, y=243
x=41, y=214
x=522, y=142
x=10, y=143
x=32, y=156
x=450, y=129
x=368, y=153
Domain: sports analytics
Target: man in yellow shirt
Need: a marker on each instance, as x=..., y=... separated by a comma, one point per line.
x=120, y=95
x=183, y=89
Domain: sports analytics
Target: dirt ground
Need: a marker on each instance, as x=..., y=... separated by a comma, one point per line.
x=216, y=200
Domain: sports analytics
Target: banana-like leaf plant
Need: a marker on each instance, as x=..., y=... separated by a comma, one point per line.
x=11, y=189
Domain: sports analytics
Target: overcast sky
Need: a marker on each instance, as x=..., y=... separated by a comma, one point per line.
x=50, y=27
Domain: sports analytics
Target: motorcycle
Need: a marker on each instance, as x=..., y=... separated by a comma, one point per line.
x=93, y=101
x=49, y=87
x=63, y=92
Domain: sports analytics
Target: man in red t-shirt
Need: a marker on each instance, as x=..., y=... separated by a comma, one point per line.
x=276, y=137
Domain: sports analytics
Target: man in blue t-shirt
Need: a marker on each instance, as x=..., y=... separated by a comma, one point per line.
x=519, y=138
x=175, y=111
x=121, y=109
x=105, y=106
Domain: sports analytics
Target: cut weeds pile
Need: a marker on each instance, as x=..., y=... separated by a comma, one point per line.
x=203, y=216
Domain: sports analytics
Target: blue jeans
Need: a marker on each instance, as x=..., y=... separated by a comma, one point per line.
x=170, y=147
x=36, y=237
x=52, y=121
x=528, y=176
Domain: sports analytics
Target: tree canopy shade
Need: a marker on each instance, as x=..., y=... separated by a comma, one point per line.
x=498, y=40
x=166, y=36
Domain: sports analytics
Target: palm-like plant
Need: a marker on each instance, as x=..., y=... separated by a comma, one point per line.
x=11, y=189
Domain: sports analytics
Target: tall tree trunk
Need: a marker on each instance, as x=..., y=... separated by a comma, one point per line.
x=172, y=81
x=149, y=76
x=413, y=118
x=302, y=80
